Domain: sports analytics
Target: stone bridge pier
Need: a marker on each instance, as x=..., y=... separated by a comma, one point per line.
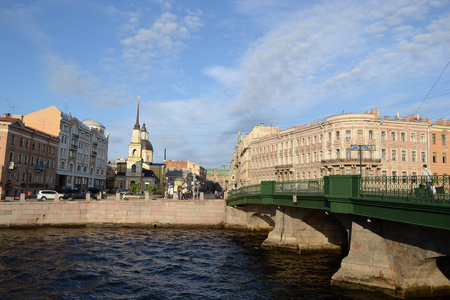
x=399, y=259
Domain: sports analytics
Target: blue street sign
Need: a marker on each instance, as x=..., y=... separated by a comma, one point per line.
x=363, y=147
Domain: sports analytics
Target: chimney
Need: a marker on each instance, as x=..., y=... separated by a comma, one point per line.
x=440, y=122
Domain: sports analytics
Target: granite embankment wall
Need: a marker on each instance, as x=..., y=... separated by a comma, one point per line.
x=164, y=212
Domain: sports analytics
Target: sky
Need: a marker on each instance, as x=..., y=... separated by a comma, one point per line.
x=205, y=69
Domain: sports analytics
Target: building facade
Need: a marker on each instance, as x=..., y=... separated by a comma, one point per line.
x=346, y=144
x=440, y=134
x=190, y=170
x=28, y=158
x=217, y=179
x=83, y=148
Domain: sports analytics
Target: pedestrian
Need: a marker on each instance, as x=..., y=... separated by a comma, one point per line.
x=427, y=176
x=184, y=193
x=29, y=194
x=179, y=192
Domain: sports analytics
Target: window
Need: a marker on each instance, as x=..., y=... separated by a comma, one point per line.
x=403, y=137
x=33, y=146
x=422, y=138
x=348, y=134
x=370, y=134
x=13, y=139
x=21, y=142
x=338, y=135
x=403, y=155
x=413, y=156
x=433, y=139
x=392, y=136
x=423, y=157
x=443, y=139
x=435, y=157
x=338, y=153
x=413, y=137
x=348, y=153
x=360, y=134
x=444, y=158
x=383, y=154
x=393, y=155
x=383, y=135
x=20, y=158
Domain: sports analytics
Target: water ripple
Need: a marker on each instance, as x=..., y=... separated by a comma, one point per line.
x=162, y=263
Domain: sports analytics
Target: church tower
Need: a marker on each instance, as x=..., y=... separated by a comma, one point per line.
x=134, y=161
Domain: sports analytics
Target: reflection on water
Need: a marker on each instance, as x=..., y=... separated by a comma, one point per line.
x=161, y=263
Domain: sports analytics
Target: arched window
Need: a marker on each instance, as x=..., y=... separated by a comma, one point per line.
x=133, y=169
x=70, y=167
x=134, y=153
x=61, y=165
x=85, y=169
x=92, y=171
x=79, y=168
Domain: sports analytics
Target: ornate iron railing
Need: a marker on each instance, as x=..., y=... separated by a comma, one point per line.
x=311, y=186
x=407, y=188
x=246, y=190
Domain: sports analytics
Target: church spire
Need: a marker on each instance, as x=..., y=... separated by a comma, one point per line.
x=136, y=126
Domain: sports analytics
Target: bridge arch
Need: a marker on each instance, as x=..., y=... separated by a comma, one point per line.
x=320, y=230
x=260, y=221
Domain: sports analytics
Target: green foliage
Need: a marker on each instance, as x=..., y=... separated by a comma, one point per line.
x=135, y=187
x=151, y=188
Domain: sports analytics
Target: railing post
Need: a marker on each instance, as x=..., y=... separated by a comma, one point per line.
x=343, y=186
x=267, y=187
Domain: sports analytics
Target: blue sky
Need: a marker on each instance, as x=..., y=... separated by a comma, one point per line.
x=205, y=69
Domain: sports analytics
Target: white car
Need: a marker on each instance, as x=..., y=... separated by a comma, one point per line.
x=46, y=195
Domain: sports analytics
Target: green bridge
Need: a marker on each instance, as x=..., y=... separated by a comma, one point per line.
x=393, y=232
x=400, y=199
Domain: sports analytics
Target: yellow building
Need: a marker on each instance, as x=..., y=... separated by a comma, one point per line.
x=138, y=168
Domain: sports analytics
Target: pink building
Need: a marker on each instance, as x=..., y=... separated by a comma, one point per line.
x=391, y=147
x=28, y=158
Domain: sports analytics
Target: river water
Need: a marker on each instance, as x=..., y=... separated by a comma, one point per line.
x=159, y=263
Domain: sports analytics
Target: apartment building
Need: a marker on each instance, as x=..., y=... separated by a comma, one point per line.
x=440, y=134
x=345, y=144
x=28, y=158
x=83, y=147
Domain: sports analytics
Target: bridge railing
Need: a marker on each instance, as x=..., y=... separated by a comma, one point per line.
x=407, y=188
x=312, y=186
x=246, y=190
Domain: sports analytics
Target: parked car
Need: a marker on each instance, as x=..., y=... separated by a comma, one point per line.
x=46, y=195
x=74, y=194
x=130, y=195
x=95, y=192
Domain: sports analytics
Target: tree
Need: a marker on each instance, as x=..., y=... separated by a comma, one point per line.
x=151, y=188
x=135, y=187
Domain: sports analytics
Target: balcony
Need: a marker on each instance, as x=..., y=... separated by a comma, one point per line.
x=351, y=160
x=74, y=135
x=72, y=146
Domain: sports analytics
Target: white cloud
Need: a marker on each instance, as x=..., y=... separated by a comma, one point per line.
x=65, y=78
x=339, y=53
x=165, y=38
